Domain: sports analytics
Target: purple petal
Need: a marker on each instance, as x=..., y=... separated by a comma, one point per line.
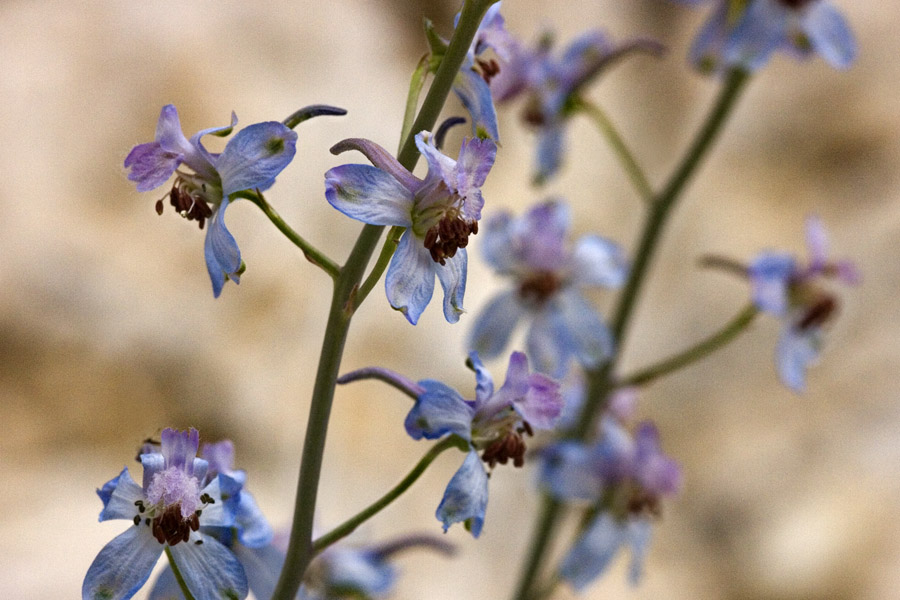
x=223, y=257
x=151, y=165
x=119, y=502
x=255, y=156
x=476, y=157
x=492, y=329
x=656, y=472
x=817, y=244
x=796, y=350
x=542, y=236
x=169, y=134
x=153, y=463
x=593, y=552
x=369, y=194
x=829, y=34
x=382, y=159
x=597, y=261
x=220, y=456
x=123, y=566
x=409, y=282
x=438, y=412
x=452, y=276
x=475, y=94
x=180, y=447
x=514, y=388
x=466, y=496
x=210, y=570
x=770, y=274
x=543, y=403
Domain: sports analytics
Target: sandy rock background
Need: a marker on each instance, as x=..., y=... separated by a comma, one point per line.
x=108, y=329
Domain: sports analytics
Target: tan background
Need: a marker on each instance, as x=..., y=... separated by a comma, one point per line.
x=108, y=329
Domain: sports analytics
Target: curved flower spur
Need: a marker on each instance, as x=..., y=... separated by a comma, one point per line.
x=439, y=212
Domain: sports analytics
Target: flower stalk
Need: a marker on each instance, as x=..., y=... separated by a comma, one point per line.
x=178, y=576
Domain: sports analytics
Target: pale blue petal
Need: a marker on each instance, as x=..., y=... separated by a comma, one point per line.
x=569, y=471
x=255, y=156
x=578, y=329
x=409, y=282
x=492, y=329
x=829, y=34
x=210, y=570
x=542, y=236
x=169, y=134
x=122, y=566
x=542, y=404
x=706, y=52
x=223, y=257
x=262, y=567
x=368, y=194
x=153, y=463
x=441, y=168
x=498, y=242
x=166, y=587
x=796, y=350
x=360, y=571
x=761, y=31
x=770, y=275
x=120, y=502
x=466, y=496
x=221, y=512
x=544, y=348
x=452, y=276
x=592, y=553
x=254, y=530
x=475, y=94
x=438, y=412
x=639, y=533
x=599, y=261
x=484, y=382
x=549, y=150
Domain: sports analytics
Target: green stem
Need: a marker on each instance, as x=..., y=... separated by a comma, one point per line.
x=343, y=304
x=700, y=350
x=620, y=148
x=600, y=381
x=416, y=82
x=352, y=523
x=178, y=576
x=384, y=258
x=312, y=254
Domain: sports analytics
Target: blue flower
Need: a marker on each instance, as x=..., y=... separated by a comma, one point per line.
x=249, y=537
x=251, y=160
x=472, y=83
x=552, y=83
x=439, y=212
x=548, y=279
x=494, y=423
x=791, y=291
x=623, y=474
x=744, y=34
x=176, y=500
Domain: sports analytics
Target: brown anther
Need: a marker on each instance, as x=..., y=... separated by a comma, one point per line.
x=187, y=205
x=526, y=428
x=539, y=286
x=819, y=313
x=642, y=503
x=159, y=207
x=794, y=3
x=449, y=235
x=489, y=68
x=170, y=527
x=502, y=450
x=534, y=113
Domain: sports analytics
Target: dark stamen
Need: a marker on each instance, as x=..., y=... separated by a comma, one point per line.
x=449, y=235
x=489, y=68
x=539, y=286
x=170, y=528
x=819, y=313
x=512, y=446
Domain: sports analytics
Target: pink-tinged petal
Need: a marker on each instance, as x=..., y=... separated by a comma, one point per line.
x=466, y=496
x=409, y=282
x=492, y=329
x=120, y=503
x=369, y=194
x=816, y=243
x=848, y=272
x=123, y=565
x=452, y=276
x=658, y=474
x=439, y=411
x=223, y=257
x=151, y=165
x=210, y=570
x=597, y=261
x=829, y=34
x=542, y=404
x=255, y=156
x=382, y=159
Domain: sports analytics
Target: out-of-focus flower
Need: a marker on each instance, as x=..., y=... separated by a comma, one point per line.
x=792, y=292
x=623, y=477
x=552, y=84
x=204, y=180
x=745, y=33
x=439, y=212
x=549, y=276
x=170, y=511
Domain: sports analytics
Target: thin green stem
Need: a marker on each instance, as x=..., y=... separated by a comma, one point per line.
x=620, y=148
x=343, y=304
x=312, y=254
x=384, y=258
x=350, y=525
x=178, y=576
x=600, y=379
x=696, y=352
x=416, y=83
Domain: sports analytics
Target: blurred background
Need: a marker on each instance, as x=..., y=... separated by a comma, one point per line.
x=109, y=330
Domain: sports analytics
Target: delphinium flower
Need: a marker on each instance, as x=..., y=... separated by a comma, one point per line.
x=622, y=477
x=439, y=212
x=552, y=84
x=204, y=181
x=170, y=512
x=792, y=292
x=745, y=33
x=249, y=537
x=548, y=276
x=495, y=424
